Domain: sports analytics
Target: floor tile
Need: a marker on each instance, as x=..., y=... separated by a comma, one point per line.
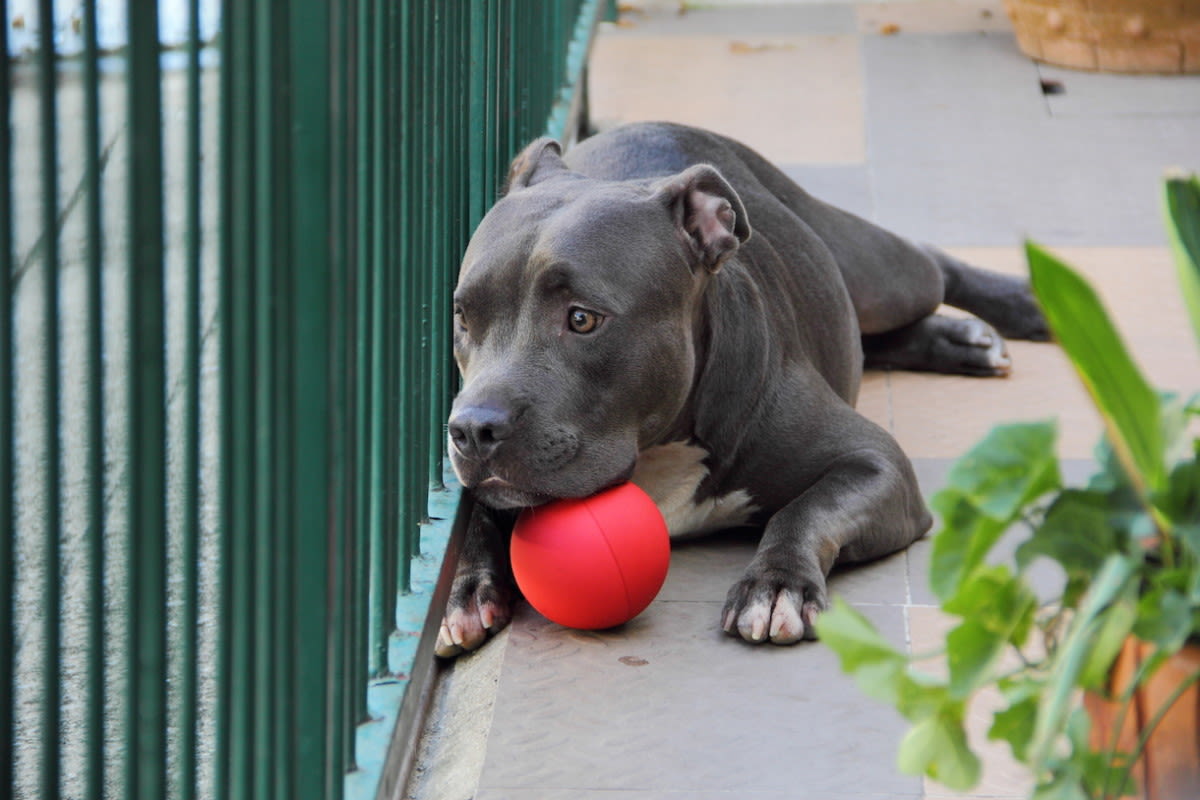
x=807, y=87
x=543, y=793
x=944, y=415
x=1097, y=94
x=661, y=19
x=1022, y=173
x=883, y=581
x=673, y=704
x=703, y=568
x=875, y=398
x=932, y=16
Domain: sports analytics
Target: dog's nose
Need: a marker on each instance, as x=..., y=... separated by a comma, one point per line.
x=477, y=431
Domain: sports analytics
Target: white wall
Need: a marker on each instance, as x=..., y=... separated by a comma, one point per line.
x=24, y=28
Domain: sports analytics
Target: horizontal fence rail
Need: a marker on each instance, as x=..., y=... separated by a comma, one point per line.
x=228, y=232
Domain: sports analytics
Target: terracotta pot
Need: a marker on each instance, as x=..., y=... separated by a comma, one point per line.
x=1156, y=36
x=1169, y=768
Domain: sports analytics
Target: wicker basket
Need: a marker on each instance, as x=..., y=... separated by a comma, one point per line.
x=1159, y=36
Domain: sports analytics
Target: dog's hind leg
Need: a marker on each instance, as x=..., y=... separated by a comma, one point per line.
x=938, y=343
x=1004, y=301
x=1005, y=308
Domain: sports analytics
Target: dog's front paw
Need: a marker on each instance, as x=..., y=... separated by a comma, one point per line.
x=775, y=605
x=480, y=605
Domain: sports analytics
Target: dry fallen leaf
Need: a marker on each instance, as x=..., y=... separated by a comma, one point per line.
x=741, y=48
x=890, y=29
x=744, y=48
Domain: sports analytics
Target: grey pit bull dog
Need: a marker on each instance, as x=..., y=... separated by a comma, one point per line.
x=615, y=319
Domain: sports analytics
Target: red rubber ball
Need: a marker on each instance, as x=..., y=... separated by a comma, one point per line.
x=592, y=563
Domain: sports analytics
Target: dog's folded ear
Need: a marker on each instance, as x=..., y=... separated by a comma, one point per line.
x=540, y=160
x=708, y=214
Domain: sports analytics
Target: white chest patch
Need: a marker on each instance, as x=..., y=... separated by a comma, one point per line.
x=670, y=474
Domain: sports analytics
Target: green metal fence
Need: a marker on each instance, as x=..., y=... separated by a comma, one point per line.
x=224, y=370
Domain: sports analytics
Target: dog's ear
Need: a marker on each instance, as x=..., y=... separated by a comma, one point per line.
x=537, y=162
x=708, y=214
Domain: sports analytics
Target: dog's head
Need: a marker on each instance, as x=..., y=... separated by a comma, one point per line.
x=575, y=322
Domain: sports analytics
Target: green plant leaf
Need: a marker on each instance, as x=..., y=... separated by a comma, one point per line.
x=997, y=610
x=1183, y=226
x=971, y=652
x=1164, y=617
x=986, y=491
x=1127, y=403
x=1180, y=499
x=1082, y=528
x=1189, y=534
x=877, y=667
x=1113, y=629
x=1072, y=656
x=1062, y=787
x=937, y=746
x=1015, y=724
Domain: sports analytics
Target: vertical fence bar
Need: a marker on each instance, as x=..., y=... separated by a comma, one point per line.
x=52, y=534
x=282, y=183
x=347, y=331
x=360, y=325
x=338, y=732
x=317, y=772
x=392, y=433
x=380, y=597
x=406, y=202
x=189, y=615
x=145, y=774
x=94, y=760
x=7, y=412
x=263, y=380
x=440, y=251
x=477, y=113
x=235, y=762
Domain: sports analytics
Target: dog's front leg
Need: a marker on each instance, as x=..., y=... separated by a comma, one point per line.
x=865, y=505
x=483, y=592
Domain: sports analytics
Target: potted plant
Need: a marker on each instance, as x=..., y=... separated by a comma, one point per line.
x=1109, y=35
x=1098, y=684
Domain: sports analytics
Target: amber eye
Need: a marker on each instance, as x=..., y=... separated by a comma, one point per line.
x=580, y=320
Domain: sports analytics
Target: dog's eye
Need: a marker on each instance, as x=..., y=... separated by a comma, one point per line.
x=460, y=317
x=580, y=320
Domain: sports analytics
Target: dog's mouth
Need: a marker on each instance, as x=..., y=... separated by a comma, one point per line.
x=500, y=492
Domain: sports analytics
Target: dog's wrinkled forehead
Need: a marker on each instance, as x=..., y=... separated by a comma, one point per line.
x=603, y=229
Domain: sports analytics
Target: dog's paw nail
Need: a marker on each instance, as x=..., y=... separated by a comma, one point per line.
x=809, y=613
x=787, y=624
x=752, y=626
x=487, y=617
x=445, y=647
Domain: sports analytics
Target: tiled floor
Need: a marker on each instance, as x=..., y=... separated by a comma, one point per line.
x=940, y=131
